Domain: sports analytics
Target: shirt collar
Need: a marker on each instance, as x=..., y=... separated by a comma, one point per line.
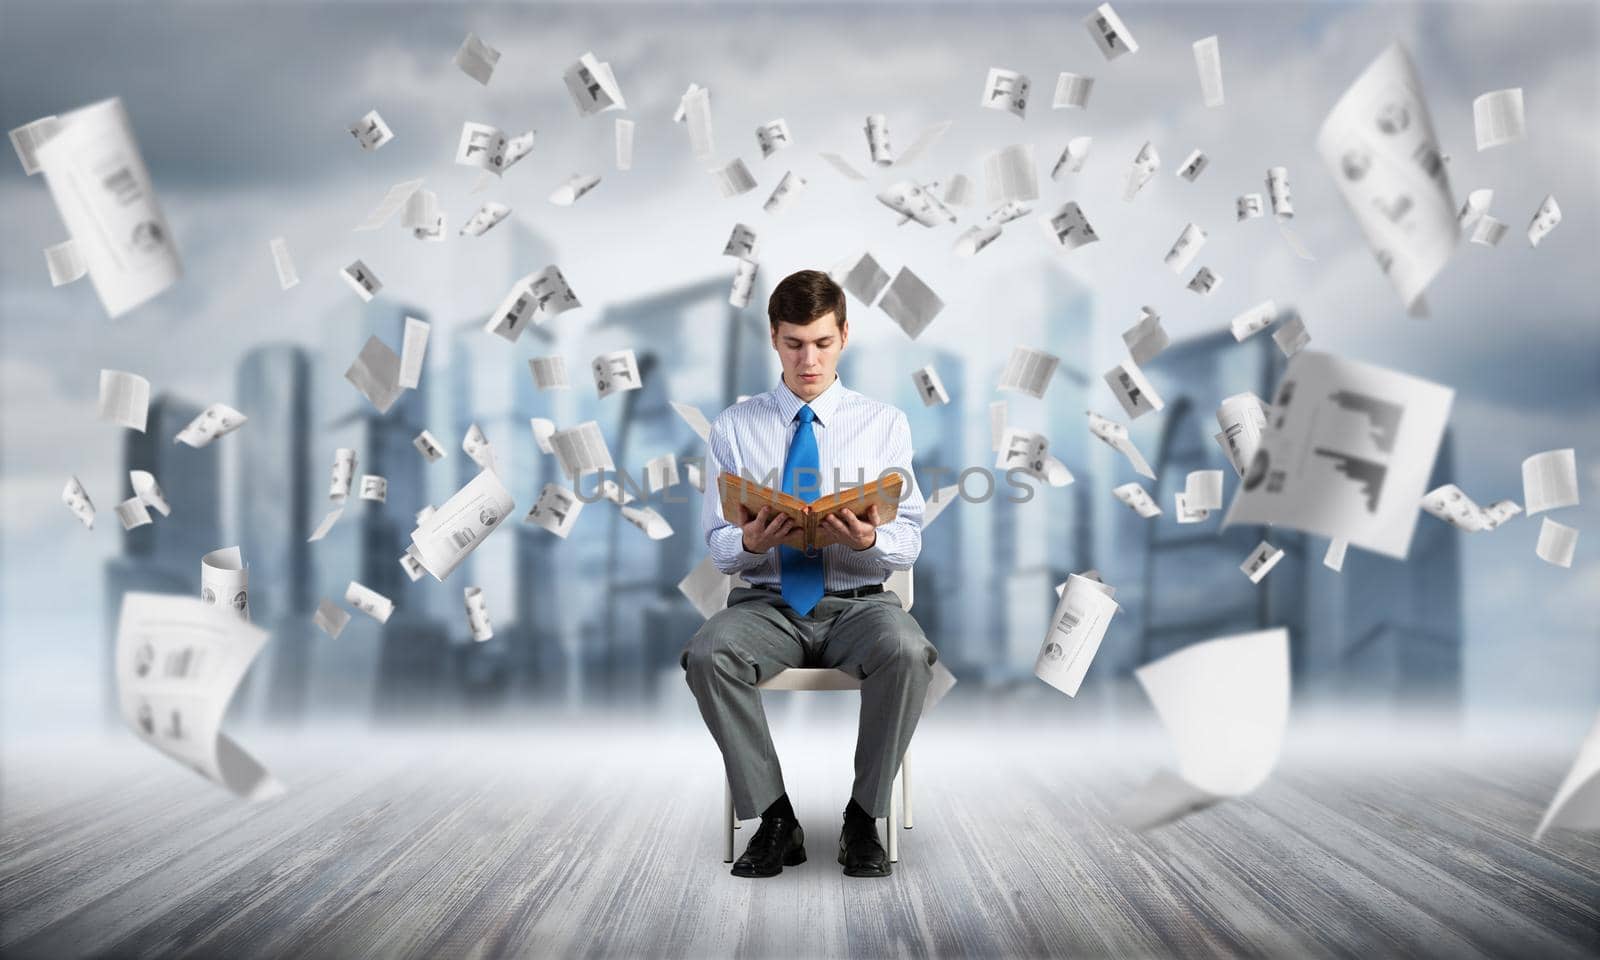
x=823, y=406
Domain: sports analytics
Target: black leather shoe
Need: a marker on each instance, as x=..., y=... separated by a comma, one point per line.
x=860, y=851
x=778, y=843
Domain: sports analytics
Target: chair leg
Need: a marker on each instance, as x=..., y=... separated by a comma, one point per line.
x=895, y=794
x=905, y=788
x=729, y=823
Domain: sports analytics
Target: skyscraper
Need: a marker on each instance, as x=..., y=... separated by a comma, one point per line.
x=274, y=515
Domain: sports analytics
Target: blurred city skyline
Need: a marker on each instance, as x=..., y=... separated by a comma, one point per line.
x=247, y=141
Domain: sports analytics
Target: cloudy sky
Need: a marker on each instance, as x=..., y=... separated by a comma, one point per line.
x=241, y=110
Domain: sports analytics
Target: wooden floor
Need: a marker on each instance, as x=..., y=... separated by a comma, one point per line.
x=581, y=840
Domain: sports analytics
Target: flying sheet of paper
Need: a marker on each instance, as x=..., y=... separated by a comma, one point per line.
x=64, y=263
x=217, y=420
x=1068, y=228
x=575, y=187
x=1544, y=220
x=862, y=277
x=624, y=136
x=1011, y=173
x=785, y=193
x=1576, y=805
x=490, y=149
x=910, y=303
x=477, y=59
x=930, y=387
x=283, y=263
x=477, y=448
x=911, y=199
x=925, y=140
x=878, y=146
x=1115, y=435
x=1333, y=559
x=362, y=280
x=1378, y=143
x=1225, y=705
x=734, y=178
x=1145, y=339
x=1254, y=320
x=478, y=625
x=330, y=618
x=411, y=565
x=1550, y=480
x=369, y=601
x=1185, y=512
x=1204, y=282
x=742, y=243
x=1452, y=505
x=1346, y=453
x=744, y=283
x=1248, y=207
x=615, y=372
x=1072, y=91
x=178, y=662
x=103, y=192
x=1145, y=164
x=124, y=399
x=371, y=132
x=1029, y=452
x=1029, y=371
x=485, y=219
x=581, y=449
x=706, y=587
x=997, y=423
x=1077, y=627
x=1005, y=90
x=391, y=203
x=326, y=526
x=1138, y=499
x=1497, y=118
x=1291, y=335
x=661, y=473
x=654, y=525
x=773, y=136
x=694, y=110
x=1260, y=561
x=132, y=513
x=27, y=138
x=225, y=581
x=413, y=350
x=376, y=373
x=1242, y=419
x=1477, y=205
x=461, y=524
x=1202, y=489
x=593, y=86
x=148, y=491
x=1184, y=248
x=77, y=500
x=1133, y=390
x=1487, y=231
x=549, y=373
x=1208, y=63
x=843, y=166
x=556, y=510
x=1557, y=543
x=429, y=446
x=374, y=488
x=1109, y=34
x=694, y=418
x=1072, y=158
x=544, y=292
x=344, y=473
x=1192, y=166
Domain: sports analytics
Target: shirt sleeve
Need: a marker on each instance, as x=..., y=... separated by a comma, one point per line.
x=900, y=540
x=724, y=539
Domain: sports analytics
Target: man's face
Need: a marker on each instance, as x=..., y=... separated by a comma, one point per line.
x=810, y=352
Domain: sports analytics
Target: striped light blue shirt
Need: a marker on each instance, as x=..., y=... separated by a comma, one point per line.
x=858, y=438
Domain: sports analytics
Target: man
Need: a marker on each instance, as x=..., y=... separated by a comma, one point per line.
x=826, y=610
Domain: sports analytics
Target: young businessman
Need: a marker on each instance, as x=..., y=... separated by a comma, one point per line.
x=826, y=610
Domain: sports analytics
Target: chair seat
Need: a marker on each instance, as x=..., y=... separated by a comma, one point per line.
x=811, y=678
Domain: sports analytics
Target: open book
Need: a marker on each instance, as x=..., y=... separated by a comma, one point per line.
x=809, y=534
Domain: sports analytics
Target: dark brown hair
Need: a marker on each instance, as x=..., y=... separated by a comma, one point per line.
x=804, y=296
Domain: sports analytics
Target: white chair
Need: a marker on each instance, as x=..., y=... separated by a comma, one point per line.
x=827, y=678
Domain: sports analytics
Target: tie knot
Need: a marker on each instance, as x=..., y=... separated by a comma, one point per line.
x=805, y=414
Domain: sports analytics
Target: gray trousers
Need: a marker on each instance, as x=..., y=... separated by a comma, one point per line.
x=759, y=635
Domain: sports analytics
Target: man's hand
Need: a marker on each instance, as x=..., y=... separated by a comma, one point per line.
x=859, y=534
x=765, y=530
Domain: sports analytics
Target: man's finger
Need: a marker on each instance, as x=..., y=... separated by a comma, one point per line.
x=761, y=516
x=872, y=514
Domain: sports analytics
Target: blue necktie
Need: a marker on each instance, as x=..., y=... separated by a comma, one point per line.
x=800, y=576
